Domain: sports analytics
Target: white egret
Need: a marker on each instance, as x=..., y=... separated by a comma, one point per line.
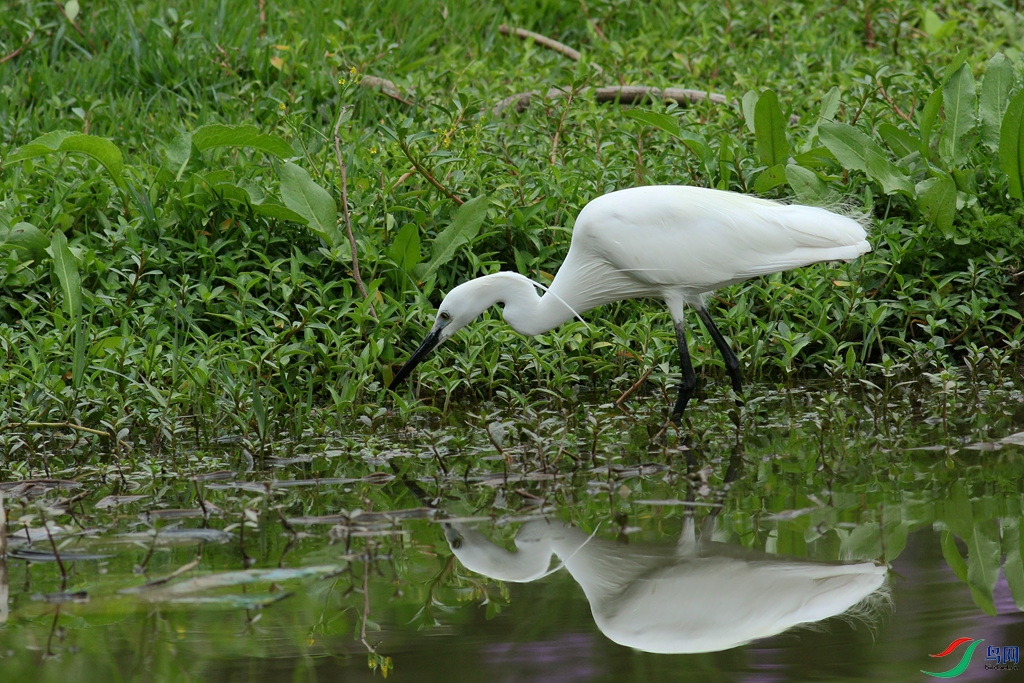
x=676, y=243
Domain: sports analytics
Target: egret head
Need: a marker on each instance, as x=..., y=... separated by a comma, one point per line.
x=461, y=306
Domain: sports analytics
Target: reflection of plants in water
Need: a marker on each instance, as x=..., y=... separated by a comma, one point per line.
x=815, y=474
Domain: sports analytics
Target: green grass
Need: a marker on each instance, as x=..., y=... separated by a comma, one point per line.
x=196, y=297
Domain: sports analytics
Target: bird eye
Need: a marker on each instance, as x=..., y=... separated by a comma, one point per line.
x=444, y=315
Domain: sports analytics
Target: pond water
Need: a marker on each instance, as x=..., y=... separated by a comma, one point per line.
x=840, y=533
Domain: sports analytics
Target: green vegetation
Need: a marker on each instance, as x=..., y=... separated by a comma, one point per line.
x=189, y=354
x=174, y=252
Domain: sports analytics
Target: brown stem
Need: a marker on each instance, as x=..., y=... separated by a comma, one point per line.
x=344, y=211
x=558, y=130
x=74, y=25
x=899, y=112
x=636, y=385
x=12, y=55
x=425, y=172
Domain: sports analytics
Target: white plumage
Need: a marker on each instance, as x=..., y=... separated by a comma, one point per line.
x=675, y=243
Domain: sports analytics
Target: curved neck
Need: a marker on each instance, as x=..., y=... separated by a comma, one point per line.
x=526, y=311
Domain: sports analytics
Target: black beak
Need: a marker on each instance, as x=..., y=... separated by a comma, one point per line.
x=419, y=354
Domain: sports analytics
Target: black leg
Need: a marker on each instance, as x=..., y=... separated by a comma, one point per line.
x=688, y=382
x=732, y=363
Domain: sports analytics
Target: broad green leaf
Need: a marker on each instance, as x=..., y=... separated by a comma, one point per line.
x=665, y=122
x=463, y=228
x=177, y=155
x=936, y=27
x=862, y=541
x=927, y=120
x=102, y=150
x=807, y=186
x=100, y=348
x=312, y=202
x=952, y=555
x=855, y=151
x=995, y=94
x=961, y=103
x=936, y=198
x=661, y=121
x=66, y=268
x=829, y=107
x=748, y=104
x=1011, y=145
x=25, y=236
x=770, y=130
x=770, y=178
x=405, y=248
x=959, y=59
x=220, y=135
x=280, y=212
x=829, y=104
x=44, y=144
x=901, y=142
x=1013, y=567
x=895, y=532
x=983, y=555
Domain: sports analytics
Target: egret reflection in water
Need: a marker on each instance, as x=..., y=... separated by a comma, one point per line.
x=688, y=597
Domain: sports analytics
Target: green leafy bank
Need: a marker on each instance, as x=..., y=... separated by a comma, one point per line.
x=181, y=189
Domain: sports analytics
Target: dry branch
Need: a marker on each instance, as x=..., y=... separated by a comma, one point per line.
x=622, y=94
x=384, y=86
x=544, y=41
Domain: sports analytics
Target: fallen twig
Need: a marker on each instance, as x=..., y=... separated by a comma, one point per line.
x=386, y=87
x=544, y=41
x=622, y=94
x=344, y=211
